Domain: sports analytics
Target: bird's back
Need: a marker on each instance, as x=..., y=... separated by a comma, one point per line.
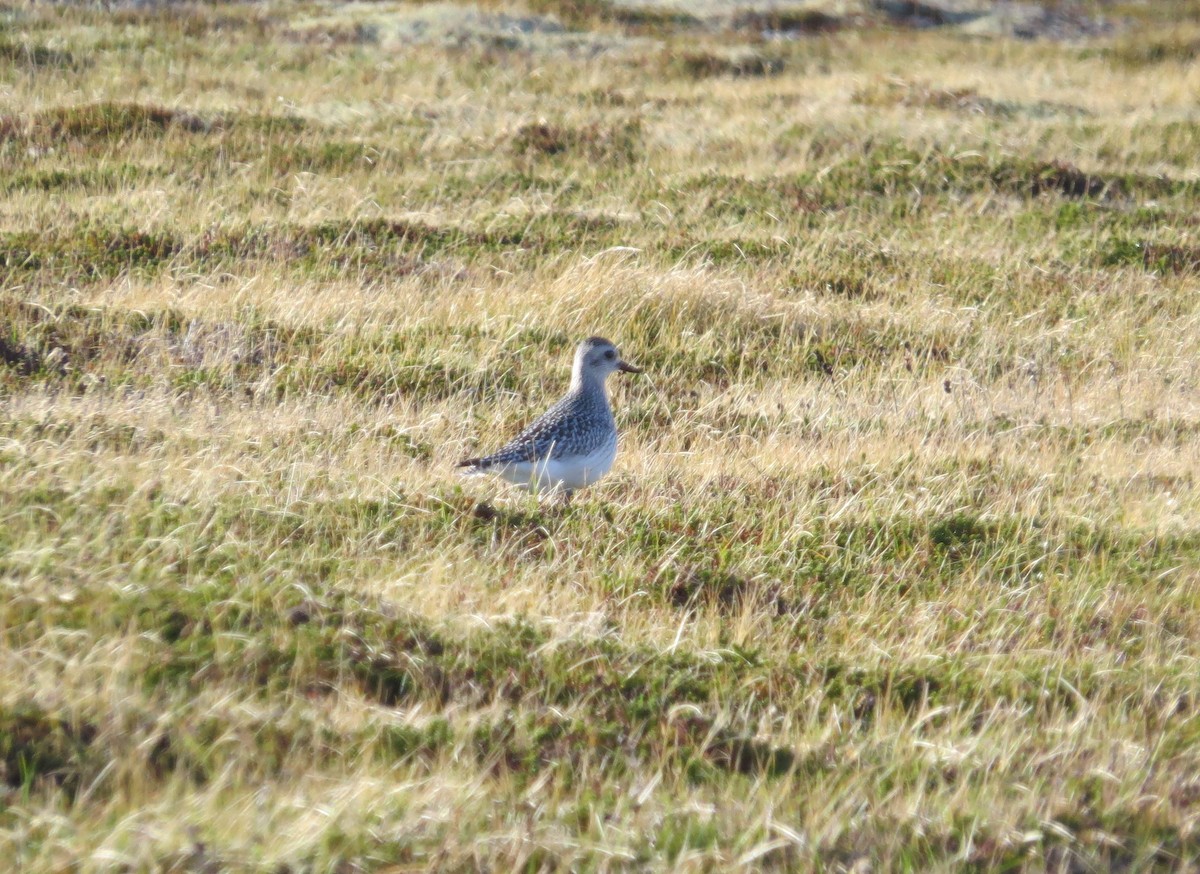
x=578, y=425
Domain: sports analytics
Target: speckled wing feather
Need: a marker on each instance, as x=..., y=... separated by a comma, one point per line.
x=577, y=425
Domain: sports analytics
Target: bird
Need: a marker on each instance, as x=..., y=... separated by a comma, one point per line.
x=572, y=444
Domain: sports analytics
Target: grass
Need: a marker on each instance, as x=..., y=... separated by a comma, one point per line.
x=897, y=568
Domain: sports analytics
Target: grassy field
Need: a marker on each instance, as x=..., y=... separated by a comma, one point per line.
x=898, y=567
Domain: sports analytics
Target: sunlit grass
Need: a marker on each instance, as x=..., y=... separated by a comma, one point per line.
x=897, y=568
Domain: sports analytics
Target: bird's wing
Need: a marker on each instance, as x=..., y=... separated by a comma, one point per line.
x=532, y=444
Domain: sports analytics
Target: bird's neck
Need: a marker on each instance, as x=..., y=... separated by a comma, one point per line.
x=587, y=381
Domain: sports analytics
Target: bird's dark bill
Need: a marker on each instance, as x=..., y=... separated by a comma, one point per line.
x=626, y=367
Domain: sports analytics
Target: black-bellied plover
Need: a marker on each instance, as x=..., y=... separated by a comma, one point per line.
x=574, y=442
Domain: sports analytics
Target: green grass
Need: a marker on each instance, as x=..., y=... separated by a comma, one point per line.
x=897, y=566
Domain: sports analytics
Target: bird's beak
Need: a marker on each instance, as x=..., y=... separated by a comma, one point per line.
x=626, y=367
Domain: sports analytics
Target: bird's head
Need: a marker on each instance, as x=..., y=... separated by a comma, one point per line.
x=596, y=358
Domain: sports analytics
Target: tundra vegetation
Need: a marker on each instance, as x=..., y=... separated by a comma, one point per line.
x=899, y=566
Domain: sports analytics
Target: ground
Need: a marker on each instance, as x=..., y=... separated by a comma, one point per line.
x=899, y=564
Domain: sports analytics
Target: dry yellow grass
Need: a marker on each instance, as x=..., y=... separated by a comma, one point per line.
x=898, y=566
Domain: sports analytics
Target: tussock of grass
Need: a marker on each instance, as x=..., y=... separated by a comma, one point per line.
x=1181, y=46
x=705, y=63
x=37, y=747
x=104, y=121
x=108, y=180
x=588, y=15
x=786, y=21
x=1153, y=256
x=33, y=56
x=898, y=92
x=896, y=565
x=93, y=254
x=613, y=144
x=888, y=168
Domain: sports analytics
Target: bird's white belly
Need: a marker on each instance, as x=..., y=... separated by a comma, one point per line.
x=570, y=472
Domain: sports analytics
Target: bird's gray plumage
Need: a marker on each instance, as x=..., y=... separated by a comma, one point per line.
x=577, y=431
x=578, y=424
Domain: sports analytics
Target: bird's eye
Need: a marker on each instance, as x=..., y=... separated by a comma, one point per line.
x=610, y=354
